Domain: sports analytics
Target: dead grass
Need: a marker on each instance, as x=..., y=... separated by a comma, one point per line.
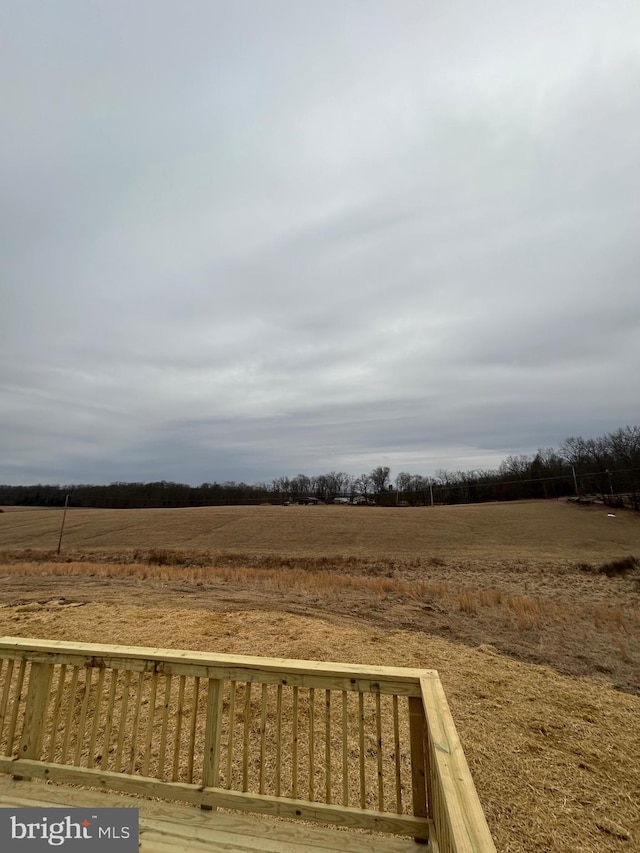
x=467, y=602
x=520, y=530
x=556, y=760
x=528, y=612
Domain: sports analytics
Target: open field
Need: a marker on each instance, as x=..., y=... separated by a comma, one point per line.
x=521, y=577
x=513, y=531
x=507, y=601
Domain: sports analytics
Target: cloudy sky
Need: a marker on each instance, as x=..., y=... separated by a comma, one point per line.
x=249, y=238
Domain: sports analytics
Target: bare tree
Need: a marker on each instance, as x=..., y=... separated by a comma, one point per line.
x=380, y=478
x=362, y=484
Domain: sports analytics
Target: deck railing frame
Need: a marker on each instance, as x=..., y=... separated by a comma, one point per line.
x=446, y=811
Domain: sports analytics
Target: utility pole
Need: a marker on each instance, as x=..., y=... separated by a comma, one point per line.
x=575, y=481
x=431, y=490
x=64, y=515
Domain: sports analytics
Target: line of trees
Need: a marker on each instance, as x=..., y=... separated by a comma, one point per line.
x=607, y=468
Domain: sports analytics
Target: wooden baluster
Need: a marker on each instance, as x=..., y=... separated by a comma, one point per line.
x=327, y=747
x=136, y=722
x=212, y=734
x=192, y=734
x=96, y=717
x=104, y=760
x=150, y=720
x=311, y=744
x=62, y=674
x=83, y=715
x=5, y=697
x=245, y=743
x=417, y=725
x=123, y=720
x=166, y=704
x=232, y=724
x=35, y=711
x=345, y=749
x=179, y=718
x=429, y=768
x=379, y=751
x=396, y=747
x=294, y=746
x=278, y=739
x=263, y=732
x=69, y=715
x=363, y=790
x=16, y=704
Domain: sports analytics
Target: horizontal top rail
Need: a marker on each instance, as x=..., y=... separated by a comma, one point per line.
x=360, y=677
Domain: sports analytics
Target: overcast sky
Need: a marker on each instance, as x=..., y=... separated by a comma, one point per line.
x=241, y=239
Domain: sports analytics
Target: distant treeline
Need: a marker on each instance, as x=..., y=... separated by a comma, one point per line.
x=607, y=468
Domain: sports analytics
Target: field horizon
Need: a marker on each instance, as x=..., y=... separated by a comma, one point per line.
x=530, y=611
x=531, y=529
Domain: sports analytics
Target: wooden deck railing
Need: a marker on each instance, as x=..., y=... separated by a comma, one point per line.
x=360, y=746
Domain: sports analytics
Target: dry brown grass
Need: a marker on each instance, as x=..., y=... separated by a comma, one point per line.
x=528, y=612
x=541, y=529
x=467, y=602
x=556, y=760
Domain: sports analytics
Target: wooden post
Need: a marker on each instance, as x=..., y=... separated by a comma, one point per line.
x=35, y=711
x=64, y=515
x=417, y=724
x=211, y=762
x=457, y=812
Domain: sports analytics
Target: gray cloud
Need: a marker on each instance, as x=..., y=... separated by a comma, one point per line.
x=241, y=241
